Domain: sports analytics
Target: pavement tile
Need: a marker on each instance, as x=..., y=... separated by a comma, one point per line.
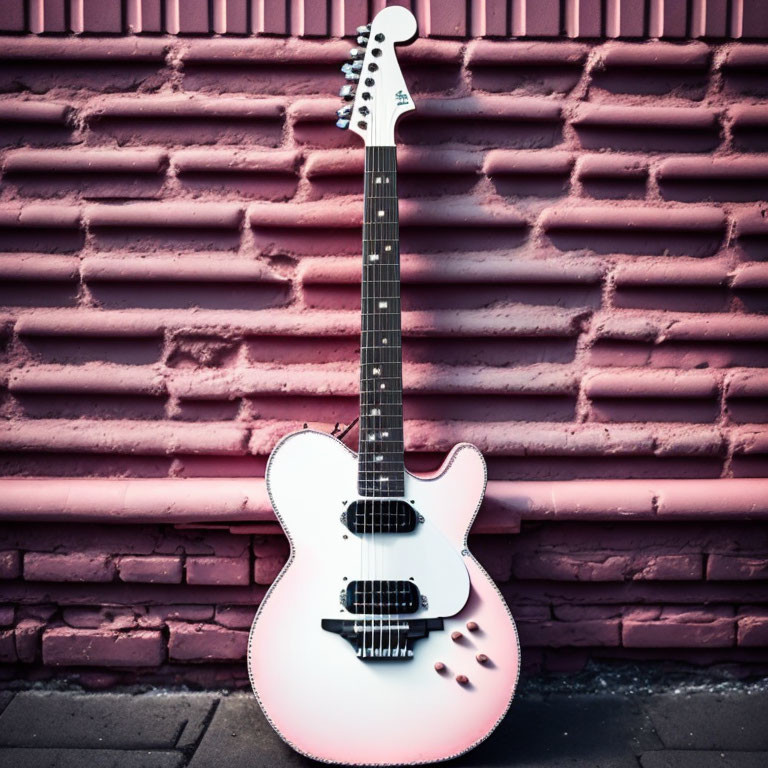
x=5, y=699
x=681, y=758
x=578, y=731
x=88, y=758
x=240, y=735
x=198, y=717
x=705, y=720
x=122, y=721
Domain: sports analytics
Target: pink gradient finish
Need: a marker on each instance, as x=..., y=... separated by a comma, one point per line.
x=320, y=698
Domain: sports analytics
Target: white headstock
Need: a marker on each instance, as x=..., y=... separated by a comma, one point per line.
x=381, y=95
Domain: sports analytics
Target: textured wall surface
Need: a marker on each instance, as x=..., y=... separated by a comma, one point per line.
x=584, y=240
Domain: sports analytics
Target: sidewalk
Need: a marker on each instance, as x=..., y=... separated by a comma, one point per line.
x=722, y=725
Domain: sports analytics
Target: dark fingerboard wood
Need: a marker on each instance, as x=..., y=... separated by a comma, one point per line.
x=381, y=470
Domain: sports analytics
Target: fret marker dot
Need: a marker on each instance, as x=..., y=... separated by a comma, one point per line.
x=380, y=213
x=382, y=386
x=374, y=257
x=387, y=247
x=382, y=305
x=378, y=179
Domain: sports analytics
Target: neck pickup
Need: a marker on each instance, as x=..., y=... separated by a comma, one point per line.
x=380, y=516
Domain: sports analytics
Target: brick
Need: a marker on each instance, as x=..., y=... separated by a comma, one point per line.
x=45, y=566
x=525, y=54
x=105, y=617
x=201, y=642
x=7, y=615
x=749, y=276
x=735, y=328
x=210, y=160
x=266, y=569
x=29, y=111
x=10, y=564
x=150, y=438
x=27, y=637
x=163, y=613
x=39, y=267
x=634, y=219
x=84, y=161
x=40, y=216
x=505, y=162
x=156, y=569
x=651, y=56
x=7, y=647
x=173, y=215
x=183, y=107
x=691, y=273
x=235, y=616
x=746, y=57
x=558, y=634
x=752, y=628
x=84, y=49
x=680, y=628
x=724, y=169
x=63, y=646
x=660, y=384
x=218, y=570
x=736, y=568
x=86, y=380
x=176, y=270
x=747, y=384
x=611, y=167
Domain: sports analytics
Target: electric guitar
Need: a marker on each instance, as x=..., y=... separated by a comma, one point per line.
x=382, y=641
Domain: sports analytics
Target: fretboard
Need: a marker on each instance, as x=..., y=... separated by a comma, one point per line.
x=381, y=469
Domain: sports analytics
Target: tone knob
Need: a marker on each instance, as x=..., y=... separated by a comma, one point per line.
x=481, y=658
x=439, y=666
x=472, y=626
x=462, y=679
x=456, y=636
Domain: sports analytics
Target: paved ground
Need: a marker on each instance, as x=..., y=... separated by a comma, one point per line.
x=715, y=726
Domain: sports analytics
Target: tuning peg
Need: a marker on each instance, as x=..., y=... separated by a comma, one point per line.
x=364, y=29
x=356, y=53
x=353, y=76
x=352, y=66
x=347, y=92
x=342, y=123
x=362, y=41
x=344, y=111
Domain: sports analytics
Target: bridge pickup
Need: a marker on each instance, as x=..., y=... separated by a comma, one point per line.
x=382, y=597
x=385, y=640
x=381, y=516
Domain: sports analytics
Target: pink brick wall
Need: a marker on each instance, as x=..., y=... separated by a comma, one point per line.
x=584, y=238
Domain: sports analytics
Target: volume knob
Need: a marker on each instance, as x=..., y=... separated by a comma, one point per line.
x=439, y=666
x=462, y=679
x=472, y=626
x=456, y=636
x=481, y=658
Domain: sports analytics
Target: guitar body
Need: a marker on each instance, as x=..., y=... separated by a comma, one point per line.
x=382, y=641
x=324, y=699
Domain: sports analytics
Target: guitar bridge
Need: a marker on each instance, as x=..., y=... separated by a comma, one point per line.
x=385, y=639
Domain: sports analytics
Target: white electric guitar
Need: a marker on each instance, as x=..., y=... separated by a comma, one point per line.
x=382, y=641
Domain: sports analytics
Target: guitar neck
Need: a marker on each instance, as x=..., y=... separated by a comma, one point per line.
x=380, y=464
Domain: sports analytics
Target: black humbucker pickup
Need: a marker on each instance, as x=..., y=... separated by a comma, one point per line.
x=382, y=597
x=381, y=516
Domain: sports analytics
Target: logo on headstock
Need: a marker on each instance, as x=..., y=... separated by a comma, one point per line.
x=402, y=98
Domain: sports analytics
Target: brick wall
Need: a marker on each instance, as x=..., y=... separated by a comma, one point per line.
x=584, y=239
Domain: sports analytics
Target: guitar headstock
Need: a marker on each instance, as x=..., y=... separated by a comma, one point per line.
x=376, y=89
